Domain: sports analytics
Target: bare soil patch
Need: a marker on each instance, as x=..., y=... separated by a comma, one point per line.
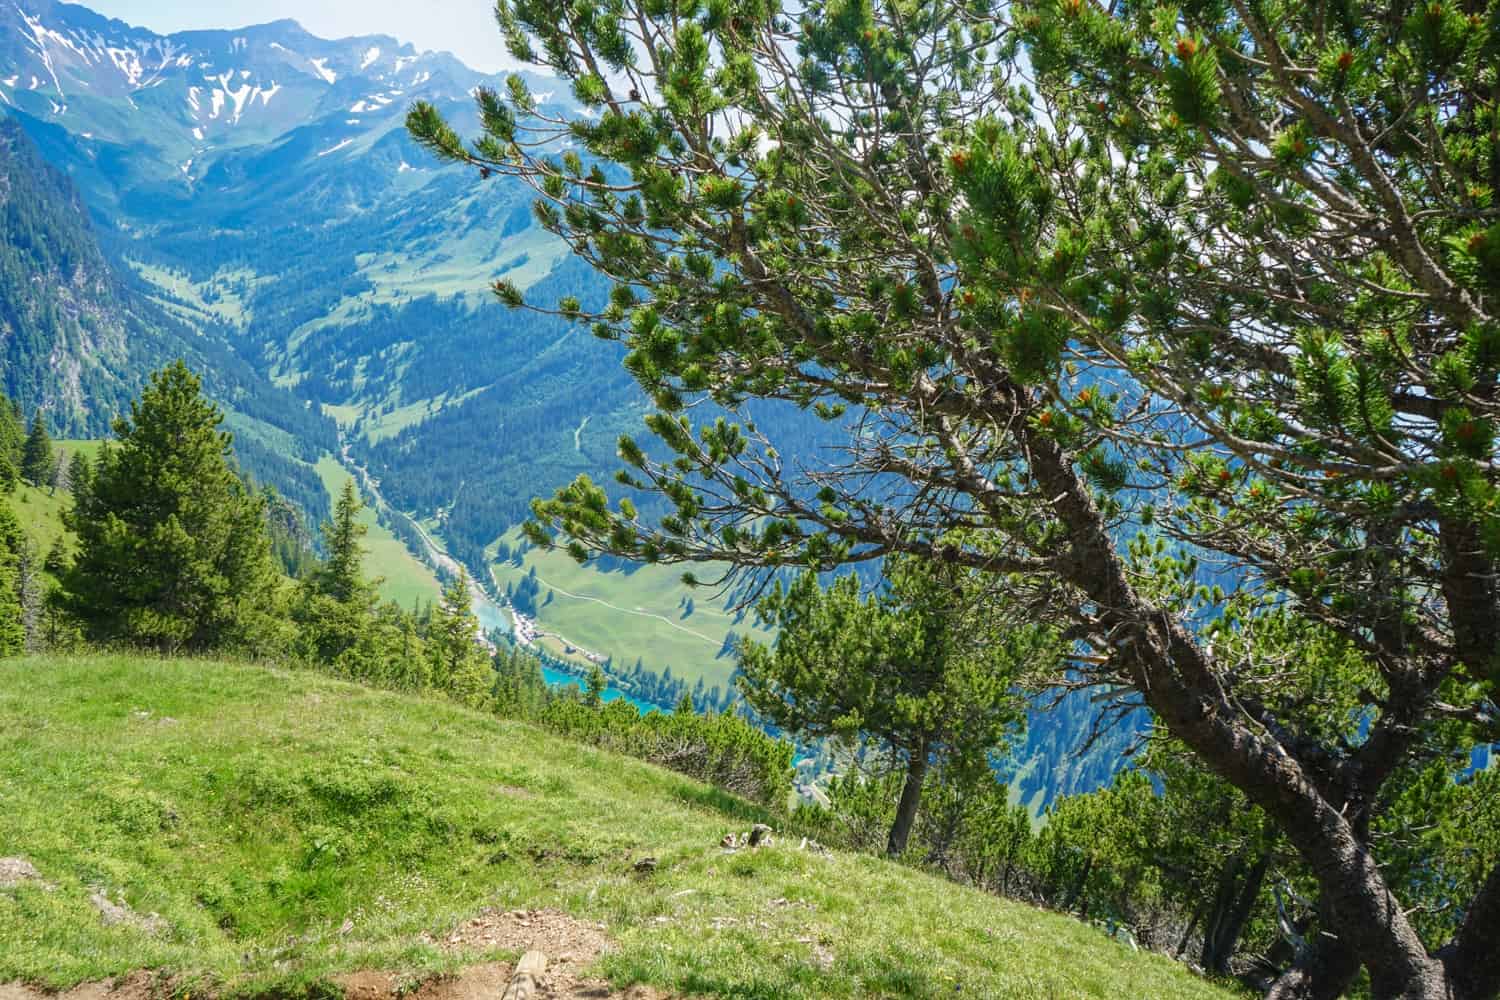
x=136, y=986
x=570, y=945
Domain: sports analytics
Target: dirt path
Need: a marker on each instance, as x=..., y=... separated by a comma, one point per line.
x=571, y=945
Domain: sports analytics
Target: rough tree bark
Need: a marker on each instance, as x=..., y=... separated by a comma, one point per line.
x=911, y=798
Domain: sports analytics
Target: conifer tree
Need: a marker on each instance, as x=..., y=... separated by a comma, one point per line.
x=12, y=629
x=460, y=665
x=925, y=668
x=595, y=683
x=337, y=605
x=37, y=463
x=520, y=689
x=80, y=473
x=172, y=548
x=341, y=574
x=12, y=438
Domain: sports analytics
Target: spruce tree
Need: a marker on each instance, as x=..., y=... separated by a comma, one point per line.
x=460, y=665
x=594, y=685
x=172, y=548
x=36, y=455
x=337, y=603
x=340, y=576
x=12, y=629
x=12, y=438
x=80, y=473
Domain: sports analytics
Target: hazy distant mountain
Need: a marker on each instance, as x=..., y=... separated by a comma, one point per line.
x=169, y=106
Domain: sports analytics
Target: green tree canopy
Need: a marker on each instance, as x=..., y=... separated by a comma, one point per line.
x=12, y=439
x=37, y=463
x=172, y=548
x=460, y=664
x=1064, y=269
x=926, y=667
x=12, y=630
x=337, y=604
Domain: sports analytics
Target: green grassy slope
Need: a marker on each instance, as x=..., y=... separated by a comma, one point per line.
x=406, y=578
x=256, y=811
x=40, y=512
x=629, y=615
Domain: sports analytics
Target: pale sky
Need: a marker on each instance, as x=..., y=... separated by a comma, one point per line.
x=464, y=27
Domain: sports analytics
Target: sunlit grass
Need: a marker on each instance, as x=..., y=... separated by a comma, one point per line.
x=256, y=810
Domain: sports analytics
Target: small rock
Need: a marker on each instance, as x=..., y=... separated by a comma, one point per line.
x=345, y=928
x=14, y=871
x=760, y=835
x=645, y=866
x=112, y=914
x=730, y=841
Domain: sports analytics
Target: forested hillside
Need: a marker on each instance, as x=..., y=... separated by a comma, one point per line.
x=78, y=336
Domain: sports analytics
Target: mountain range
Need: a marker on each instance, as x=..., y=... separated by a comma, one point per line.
x=260, y=181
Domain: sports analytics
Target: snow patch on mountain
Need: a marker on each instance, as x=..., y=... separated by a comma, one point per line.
x=127, y=61
x=335, y=149
x=39, y=39
x=321, y=65
x=239, y=97
x=370, y=58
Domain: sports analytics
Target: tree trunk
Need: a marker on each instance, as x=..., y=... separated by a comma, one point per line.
x=1210, y=957
x=1473, y=961
x=1322, y=972
x=1179, y=681
x=911, y=798
x=1187, y=934
x=1222, y=936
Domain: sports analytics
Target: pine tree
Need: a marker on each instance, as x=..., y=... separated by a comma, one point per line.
x=460, y=665
x=1228, y=272
x=172, y=548
x=12, y=630
x=337, y=604
x=12, y=438
x=80, y=473
x=926, y=667
x=36, y=455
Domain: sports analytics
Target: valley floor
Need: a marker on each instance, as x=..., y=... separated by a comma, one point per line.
x=241, y=830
